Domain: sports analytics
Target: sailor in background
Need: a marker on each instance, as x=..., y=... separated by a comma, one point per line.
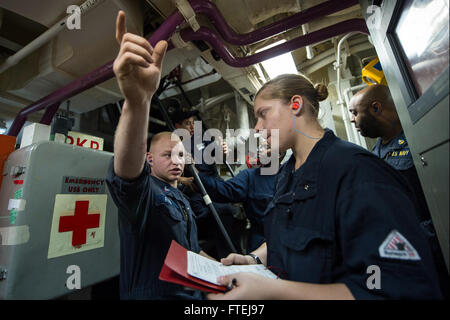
x=207, y=226
x=375, y=116
x=254, y=189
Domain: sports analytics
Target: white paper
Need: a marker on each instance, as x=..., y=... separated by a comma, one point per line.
x=209, y=270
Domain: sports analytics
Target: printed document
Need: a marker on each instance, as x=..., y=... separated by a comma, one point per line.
x=209, y=270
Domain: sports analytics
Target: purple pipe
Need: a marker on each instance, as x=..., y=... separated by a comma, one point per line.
x=242, y=62
x=208, y=8
x=50, y=113
x=88, y=81
x=165, y=31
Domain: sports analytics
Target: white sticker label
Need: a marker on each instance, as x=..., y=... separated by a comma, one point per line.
x=11, y=236
x=17, y=204
x=207, y=200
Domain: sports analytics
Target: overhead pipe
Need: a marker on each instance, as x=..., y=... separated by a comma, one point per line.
x=351, y=25
x=92, y=79
x=208, y=8
x=192, y=84
x=305, y=30
x=359, y=139
x=166, y=30
x=211, y=102
x=157, y=121
x=49, y=113
x=331, y=53
x=345, y=116
x=44, y=37
x=309, y=51
x=332, y=58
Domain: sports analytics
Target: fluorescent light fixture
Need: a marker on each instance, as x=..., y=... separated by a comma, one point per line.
x=278, y=65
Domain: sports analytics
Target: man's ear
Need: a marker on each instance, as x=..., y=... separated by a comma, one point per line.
x=177, y=125
x=376, y=108
x=149, y=158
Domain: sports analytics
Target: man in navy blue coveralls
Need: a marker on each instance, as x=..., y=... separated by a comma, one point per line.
x=207, y=225
x=375, y=116
x=152, y=212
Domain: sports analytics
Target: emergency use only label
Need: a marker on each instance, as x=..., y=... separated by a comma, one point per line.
x=77, y=185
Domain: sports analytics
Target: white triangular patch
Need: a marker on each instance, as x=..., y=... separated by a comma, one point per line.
x=395, y=246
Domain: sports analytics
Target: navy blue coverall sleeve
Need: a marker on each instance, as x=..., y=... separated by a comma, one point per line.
x=232, y=190
x=130, y=196
x=363, y=225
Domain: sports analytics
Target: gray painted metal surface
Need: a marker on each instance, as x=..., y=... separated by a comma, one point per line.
x=424, y=119
x=47, y=169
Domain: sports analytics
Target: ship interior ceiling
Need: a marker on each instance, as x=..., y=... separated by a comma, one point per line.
x=66, y=73
x=201, y=73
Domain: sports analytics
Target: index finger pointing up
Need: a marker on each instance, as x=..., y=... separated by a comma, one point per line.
x=121, y=27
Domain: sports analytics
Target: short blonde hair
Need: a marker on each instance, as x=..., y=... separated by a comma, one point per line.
x=163, y=135
x=285, y=86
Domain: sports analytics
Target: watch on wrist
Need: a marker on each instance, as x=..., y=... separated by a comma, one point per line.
x=254, y=256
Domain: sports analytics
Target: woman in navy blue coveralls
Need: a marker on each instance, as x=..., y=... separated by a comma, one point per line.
x=251, y=187
x=341, y=224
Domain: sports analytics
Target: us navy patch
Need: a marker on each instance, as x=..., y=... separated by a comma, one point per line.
x=395, y=246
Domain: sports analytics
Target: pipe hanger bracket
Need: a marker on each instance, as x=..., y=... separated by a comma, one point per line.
x=178, y=42
x=188, y=13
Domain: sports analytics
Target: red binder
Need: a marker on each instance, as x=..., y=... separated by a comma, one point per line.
x=175, y=270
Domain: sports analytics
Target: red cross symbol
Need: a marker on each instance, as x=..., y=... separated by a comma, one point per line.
x=79, y=223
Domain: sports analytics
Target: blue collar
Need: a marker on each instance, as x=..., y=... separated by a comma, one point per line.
x=165, y=187
x=397, y=143
x=306, y=184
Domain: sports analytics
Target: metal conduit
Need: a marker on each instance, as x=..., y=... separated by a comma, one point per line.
x=44, y=37
x=208, y=8
x=166, y=30
x=205, y=34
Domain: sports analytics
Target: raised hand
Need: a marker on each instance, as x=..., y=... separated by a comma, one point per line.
x=138, y=65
